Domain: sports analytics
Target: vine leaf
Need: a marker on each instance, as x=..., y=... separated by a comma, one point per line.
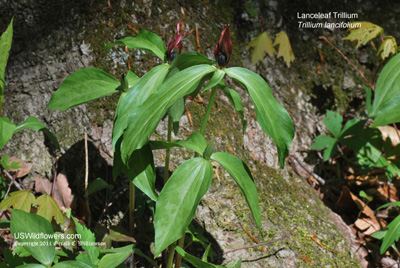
x=285, y=50
x=22, y=200
x=261, y=44
x=363, y=34
x=48, y=209
x=389, y=46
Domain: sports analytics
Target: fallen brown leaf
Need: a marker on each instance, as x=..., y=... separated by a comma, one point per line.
x=391, y=132
x=24, y=170
x=62, y=193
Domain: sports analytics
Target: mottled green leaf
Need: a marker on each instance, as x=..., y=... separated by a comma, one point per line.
x=48, y=209
x=271, y=116
x=388, y=46
x=83, y=86
x=145, y=118
x=178, y=200
x=146, y=41
x=22, y=200
x=242, y=175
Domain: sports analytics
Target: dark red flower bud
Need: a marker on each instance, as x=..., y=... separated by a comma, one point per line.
x=223, y=50
x=177, y=41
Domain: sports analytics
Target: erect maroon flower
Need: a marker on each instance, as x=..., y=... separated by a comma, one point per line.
x=177, y=41
x=223, y=50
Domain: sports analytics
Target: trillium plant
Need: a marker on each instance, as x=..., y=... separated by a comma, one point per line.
x=161, y=94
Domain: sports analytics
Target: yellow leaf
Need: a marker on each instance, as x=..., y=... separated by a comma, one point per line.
x=261, y=44
x=22, y=200
x=285, y=50
x=363, y=34
x=389, y=46
x=48, y=209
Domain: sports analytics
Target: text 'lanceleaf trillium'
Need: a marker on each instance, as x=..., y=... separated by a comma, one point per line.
x=223, y=50
x=177, y=41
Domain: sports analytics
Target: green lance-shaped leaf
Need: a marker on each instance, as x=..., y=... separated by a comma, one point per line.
x=32, y=265
x=87, y=241
x=145, y=118
x=189, y=59
x=175, y=112
x=178, y=200
x=114, y=259
x=6, y=130
x=195, y=142
x=392, y=235
x=83, y=86
x=36, y=233
x=140, y=92
x=198, y=263
x=146, y=41
x=333, y=121
x=236, y=101
x=241, y=174
x=68, y=264
x=140, y=169
x=215, y=79
x=271, y=116
x=34, y=123
x=5, y=46
x=385, y=107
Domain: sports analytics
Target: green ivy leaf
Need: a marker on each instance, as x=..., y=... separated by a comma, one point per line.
x=22, y=200
x=5, y=46
x=285, y=50
x=272, y=117
x=6, y=130
x=83, y=86
x=145, y=118
x=178, y=200
x=146, y=41
x=242, y=175
x=388, y=46
x=392, y=235
x=48, y=209
x=363, y=34
x=261, y=44
x=325, y=143
x=41, y=248
x=33, y=123
x=385, y=108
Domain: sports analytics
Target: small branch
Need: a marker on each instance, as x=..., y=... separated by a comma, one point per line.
x=198, y=40
x=53, y=187
x=318, y=178
x=262, y=23
x=349, y=61
x=19, y=187
x=265, y=243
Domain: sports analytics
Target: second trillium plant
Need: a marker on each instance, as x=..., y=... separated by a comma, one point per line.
x=161, y=92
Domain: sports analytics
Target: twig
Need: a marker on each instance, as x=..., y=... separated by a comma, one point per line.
x=265, y=243
x=198, y=40
x=318, y=178
x=262, y=23
x=19, y=187
x=87, y=179
x=349, y=61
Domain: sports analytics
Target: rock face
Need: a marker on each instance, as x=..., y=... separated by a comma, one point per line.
x=53, y=40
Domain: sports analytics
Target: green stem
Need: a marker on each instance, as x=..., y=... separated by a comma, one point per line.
x=131, y=207
x=181, y=243
x=208, y=111
x=171, y=254
x=168, y=152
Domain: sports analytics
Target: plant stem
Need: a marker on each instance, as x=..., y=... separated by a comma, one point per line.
x=86, y=180
x=131, y=207
x=168, y=152
x=208, y=111
x=171, y=254
x=181, y=243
